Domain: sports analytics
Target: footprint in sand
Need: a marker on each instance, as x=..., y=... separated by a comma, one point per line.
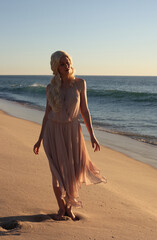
x=13, y=227
x=10, y=225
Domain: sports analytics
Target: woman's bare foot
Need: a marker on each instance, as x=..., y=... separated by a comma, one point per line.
x=61, y=214
x=70, y=213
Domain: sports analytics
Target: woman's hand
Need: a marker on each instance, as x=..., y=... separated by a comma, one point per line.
x=95, y=143
x=36, y=147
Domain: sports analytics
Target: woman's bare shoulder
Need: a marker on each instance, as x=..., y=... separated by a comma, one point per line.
x=80, y=82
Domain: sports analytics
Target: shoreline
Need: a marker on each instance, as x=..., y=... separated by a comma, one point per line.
x=139, y=151
x=122, y=208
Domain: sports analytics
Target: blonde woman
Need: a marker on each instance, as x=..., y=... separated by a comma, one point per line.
x=62, y=137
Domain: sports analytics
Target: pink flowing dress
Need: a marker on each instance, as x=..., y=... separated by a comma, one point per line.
x=65, y=148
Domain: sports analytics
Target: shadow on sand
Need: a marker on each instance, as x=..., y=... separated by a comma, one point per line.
x=8, y=225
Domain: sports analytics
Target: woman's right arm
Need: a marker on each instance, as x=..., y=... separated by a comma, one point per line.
x=38, y=143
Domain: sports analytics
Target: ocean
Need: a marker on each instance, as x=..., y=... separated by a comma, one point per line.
x=124, y=105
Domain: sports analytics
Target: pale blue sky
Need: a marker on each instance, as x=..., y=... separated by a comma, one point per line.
x=104, y=37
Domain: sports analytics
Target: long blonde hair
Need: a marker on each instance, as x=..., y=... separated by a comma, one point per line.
x=53, y=92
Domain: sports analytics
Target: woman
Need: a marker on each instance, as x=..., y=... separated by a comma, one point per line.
x=63, y=141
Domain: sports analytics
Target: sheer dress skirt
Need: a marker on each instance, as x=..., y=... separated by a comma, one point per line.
x=68, y=158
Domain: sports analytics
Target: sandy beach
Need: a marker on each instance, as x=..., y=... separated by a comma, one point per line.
x=124, y=208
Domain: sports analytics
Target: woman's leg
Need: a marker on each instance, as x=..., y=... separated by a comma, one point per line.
x=61, y=202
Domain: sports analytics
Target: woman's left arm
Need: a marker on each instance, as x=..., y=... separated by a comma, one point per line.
x=86, y=115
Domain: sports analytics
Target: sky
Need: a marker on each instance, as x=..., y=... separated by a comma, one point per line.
x=103, y=37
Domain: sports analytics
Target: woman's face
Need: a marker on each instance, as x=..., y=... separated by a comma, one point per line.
x=64, y=66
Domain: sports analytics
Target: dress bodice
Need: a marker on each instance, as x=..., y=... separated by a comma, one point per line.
x=70, y=97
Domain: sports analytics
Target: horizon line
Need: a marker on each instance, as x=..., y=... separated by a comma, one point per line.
x=118, y=75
